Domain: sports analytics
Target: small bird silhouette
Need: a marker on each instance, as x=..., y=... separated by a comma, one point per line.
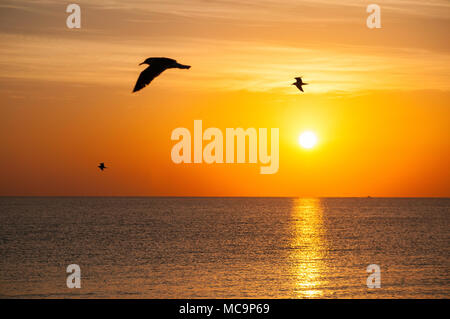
x=102, y=166
x=299, y=83
x=156, y=67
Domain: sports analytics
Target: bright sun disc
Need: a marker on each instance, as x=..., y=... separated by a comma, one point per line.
x=307, y=139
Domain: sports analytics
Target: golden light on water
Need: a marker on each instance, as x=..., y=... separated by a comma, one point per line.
x=309, y=247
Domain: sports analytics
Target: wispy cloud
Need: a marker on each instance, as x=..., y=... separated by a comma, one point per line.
x=225, y=65
x=249, y=9
x=267, y=43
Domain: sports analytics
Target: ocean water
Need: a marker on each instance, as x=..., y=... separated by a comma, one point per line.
x=224, y=247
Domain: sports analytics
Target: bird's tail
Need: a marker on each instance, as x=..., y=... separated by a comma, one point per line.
x=182, y=66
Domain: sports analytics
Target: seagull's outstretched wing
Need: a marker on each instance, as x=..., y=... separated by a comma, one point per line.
x=147, y=76
x=300, y=88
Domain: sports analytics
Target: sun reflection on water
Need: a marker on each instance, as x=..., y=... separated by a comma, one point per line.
x=308, y=248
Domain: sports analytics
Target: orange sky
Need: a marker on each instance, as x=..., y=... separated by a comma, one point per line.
x=378, y=100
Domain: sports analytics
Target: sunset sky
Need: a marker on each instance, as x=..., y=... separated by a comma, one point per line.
x=378, y=99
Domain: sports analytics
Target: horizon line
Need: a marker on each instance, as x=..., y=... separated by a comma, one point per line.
x=187, y=196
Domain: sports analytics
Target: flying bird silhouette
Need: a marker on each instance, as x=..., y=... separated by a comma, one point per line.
x=102, y=166
x=299, y=83
x=155, y=68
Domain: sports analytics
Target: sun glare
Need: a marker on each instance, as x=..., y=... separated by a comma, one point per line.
x=307, y=139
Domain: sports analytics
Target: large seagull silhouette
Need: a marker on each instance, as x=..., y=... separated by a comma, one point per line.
x=155, y=68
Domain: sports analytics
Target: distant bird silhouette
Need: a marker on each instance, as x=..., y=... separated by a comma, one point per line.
x=156, y=67
x=299, y=83
x=102, y=166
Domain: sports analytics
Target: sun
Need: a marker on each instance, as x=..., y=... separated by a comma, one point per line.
x=307, y=139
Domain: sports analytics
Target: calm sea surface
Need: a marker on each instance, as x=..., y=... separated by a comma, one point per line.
x=224, y=247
